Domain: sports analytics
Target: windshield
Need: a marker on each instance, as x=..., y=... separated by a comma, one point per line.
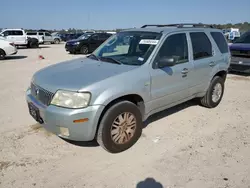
x=84, y=36
x=130, y=48
x=245, y=38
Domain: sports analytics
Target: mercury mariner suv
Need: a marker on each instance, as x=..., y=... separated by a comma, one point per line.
x=108, y=94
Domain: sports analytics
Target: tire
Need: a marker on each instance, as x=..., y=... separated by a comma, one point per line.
x=2, y=54
x=208, y=101
x=104, y=135
x=84, y=50
x=56, y=41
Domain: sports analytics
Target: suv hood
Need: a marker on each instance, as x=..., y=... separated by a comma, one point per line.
x=76, y=74
x=75, y=40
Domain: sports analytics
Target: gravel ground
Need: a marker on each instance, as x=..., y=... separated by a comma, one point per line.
x=185, y=146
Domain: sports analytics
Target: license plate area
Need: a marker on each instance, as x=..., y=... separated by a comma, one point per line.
x=34, y=112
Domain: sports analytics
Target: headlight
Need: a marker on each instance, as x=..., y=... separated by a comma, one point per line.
x=76, y=43
x=69, y=99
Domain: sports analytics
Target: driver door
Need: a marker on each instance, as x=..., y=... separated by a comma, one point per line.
x=171, y=84
x=94, y=42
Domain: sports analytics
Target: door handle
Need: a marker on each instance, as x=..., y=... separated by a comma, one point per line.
x=212, y=64
x=184, y=71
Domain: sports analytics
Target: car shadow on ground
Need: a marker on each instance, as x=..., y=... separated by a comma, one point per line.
x=168, y=112
x=40, y=47
x=239, y=73
x=150, y=120
x=15, y=57
x=92, y=143
x=149, y=183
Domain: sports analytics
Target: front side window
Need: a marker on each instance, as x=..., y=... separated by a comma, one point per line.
x=202, y=47
x=6, y=33
x=130, y=47
x=84, y=36
x=174, y=47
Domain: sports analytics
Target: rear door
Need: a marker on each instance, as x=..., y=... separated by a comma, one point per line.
x=203, y=59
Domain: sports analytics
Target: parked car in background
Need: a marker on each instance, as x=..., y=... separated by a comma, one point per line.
x=19, y=38
x=48, y=38
x=6, y=48
x=36, y=35
x=240, y=51
x=109, y=94
x=16, y=36
x=86, y=43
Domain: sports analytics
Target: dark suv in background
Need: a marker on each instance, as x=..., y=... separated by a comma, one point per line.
x=240, y=51
x=86, y=43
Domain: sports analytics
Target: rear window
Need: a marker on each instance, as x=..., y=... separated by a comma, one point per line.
x=202, y=47
x=220, y=41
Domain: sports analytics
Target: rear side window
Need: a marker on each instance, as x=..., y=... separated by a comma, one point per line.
x=220, y=41
x=17, y=33
x=202, y=47
x=40, y=33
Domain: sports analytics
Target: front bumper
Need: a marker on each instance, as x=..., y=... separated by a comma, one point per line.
x=240, y=64
x=55, y=119
x=72, y=47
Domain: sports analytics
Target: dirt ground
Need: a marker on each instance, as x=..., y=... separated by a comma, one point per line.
x=185, y=146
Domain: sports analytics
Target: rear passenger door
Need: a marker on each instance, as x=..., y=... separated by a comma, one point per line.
x=203, y=59
x=94, y=42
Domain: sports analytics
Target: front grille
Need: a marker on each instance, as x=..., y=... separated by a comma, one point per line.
x=240, y=53
x=41, y=94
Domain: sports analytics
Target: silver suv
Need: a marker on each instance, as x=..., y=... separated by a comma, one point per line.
x=132, y=75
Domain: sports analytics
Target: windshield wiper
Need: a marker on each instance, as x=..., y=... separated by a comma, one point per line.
x=93, y=55
x=111, y=59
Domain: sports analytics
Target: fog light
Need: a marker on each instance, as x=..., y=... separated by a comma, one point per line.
x=64, y=131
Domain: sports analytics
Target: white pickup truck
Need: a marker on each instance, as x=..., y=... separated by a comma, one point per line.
x=17, y=36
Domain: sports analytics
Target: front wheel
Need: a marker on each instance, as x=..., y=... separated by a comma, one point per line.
x=214, y=93
x=2, y=54
x=84, y=50
x=56, y=41
x=120, y=127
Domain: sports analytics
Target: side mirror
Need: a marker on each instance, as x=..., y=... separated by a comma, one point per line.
x=166, y=62
x=1, y=35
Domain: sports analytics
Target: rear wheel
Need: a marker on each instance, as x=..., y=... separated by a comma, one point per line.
x=2, y=54
x=84, y=50
x=120, y=127
x=214, y=93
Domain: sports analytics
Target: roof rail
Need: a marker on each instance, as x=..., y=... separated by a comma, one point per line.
x=180, y=25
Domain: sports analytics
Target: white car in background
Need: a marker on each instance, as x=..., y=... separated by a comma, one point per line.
x=6, y=48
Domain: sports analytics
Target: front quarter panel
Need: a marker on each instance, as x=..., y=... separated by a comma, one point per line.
x=136, y=81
